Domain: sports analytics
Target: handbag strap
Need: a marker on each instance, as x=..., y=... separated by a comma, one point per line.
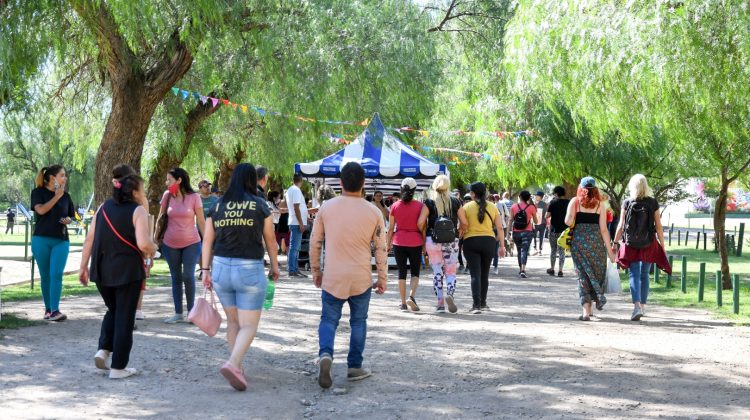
x=125, y=241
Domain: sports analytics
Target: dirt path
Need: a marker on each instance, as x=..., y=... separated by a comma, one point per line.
x=527, y=358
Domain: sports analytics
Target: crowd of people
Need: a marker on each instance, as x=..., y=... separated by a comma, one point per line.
x=227, y=238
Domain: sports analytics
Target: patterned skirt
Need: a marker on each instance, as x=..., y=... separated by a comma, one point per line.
x=590, y=259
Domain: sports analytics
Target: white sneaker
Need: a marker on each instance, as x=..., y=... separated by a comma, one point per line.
x=139, y=314
x=122, y=373
x=101, y=359
x=497, y=270
x=173, y=319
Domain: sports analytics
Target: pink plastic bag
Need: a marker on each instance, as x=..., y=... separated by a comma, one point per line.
x=205, y=315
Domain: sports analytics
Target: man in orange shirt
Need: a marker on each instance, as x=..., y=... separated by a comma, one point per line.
x=348, y=274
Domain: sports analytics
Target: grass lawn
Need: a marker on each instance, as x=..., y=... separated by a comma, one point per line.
x=72, y=288
x=675, y=298
x=12, y=322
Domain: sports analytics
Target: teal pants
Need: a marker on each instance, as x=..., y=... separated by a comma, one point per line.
x=51, y=255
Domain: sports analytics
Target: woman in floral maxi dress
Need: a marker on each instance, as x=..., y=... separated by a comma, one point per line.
x=590, y=245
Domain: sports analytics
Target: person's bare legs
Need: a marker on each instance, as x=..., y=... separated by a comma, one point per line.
x=140, y=300
x=233, y=326
x=248, y=327
x=587, y=311
x=402, y=290
x=413, y=285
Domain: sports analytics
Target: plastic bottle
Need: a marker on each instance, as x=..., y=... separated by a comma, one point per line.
x=270, y=290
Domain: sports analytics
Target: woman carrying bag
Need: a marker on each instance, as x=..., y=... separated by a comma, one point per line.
x=590, y=245
x=232, y=263
x=639, y=227
x=121, y=238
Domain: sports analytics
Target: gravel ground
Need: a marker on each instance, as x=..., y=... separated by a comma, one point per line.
x=527, y=358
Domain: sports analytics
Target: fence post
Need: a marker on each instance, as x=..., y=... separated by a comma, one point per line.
x=32, y=271
x=687, y=236
x=656, y=274
x=736, y=293
x=697, y=240
x=26, y=242
x=679, y=236
x=704, y=240
x=669, y=276
x=740, y=240
x=718, y=288
x=683, y=275
x=701, y=281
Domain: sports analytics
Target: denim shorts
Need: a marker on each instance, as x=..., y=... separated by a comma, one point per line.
x=239, y=282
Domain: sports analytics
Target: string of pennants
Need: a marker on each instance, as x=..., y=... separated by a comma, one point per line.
x=186, y=95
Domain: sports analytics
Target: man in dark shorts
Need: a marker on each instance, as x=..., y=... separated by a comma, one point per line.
x=11, y=216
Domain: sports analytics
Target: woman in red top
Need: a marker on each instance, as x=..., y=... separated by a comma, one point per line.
x=407, y=242
x=522, y=233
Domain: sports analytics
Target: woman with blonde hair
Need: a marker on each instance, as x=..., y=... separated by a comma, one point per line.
x=590, y=245
x=441, y=247
x=640, y=225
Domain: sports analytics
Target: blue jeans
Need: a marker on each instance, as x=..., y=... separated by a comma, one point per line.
x=294, y=246
x=639, y=281
x=51, y=255
x=182, y=262
x=522, y=239
x=329, y=321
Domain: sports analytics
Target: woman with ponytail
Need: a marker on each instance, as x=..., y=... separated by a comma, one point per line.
x=521, y=215
x=54, y=211
x=590, y=245
x=407, y=241
x=443, y=255
x=477, y=221
x=121, y=238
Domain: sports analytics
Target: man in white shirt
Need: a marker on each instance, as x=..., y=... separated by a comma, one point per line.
x=295, y=200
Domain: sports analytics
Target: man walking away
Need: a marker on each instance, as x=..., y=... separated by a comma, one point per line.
x=556, y=211
x=295, y=200
x=347, y=276
x=541, y=227
x=11, y=216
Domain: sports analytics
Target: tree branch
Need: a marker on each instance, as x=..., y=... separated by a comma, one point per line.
x=118, y=56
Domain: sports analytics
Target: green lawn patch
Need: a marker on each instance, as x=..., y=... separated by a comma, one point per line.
x=72, y=288
x=673, y=296
x=13, y=322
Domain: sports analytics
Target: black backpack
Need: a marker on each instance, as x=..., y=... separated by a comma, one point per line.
x=521, y=219
x=444, y=227
x=639, y=224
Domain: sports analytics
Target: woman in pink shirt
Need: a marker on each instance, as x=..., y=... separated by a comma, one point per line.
x=522, y=214
x=407, y=242
x=182, y=244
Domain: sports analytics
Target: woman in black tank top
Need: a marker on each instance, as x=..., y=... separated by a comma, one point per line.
x=116, y=246
x=590, y=246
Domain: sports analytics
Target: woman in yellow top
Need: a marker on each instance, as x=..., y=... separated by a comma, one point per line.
x=477, y=221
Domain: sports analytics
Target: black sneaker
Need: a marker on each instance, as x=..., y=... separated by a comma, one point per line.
x=475, y=310
x=551, y=271
x=523, y=274
x=484, y=308
x=57, y=316
x=440, y=309
x=559, y=273
x=403, y=307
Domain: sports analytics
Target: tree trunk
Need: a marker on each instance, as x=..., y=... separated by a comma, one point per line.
x=720, y=229
x=570, y=188
x=167, y=158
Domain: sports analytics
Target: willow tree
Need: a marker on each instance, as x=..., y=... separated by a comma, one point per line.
x=139, y=50
x=678, y=67
x=331, y=60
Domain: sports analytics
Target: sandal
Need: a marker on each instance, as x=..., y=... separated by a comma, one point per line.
x=584, y=318
x=234, y=376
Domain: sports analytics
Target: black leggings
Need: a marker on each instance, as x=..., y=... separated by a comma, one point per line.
x=478, y=251
x=414, y=256
x=117, y=326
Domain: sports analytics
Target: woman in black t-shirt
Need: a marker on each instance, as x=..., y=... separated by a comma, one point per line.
x=54, y=211
x=120, y=239
x=235, y=231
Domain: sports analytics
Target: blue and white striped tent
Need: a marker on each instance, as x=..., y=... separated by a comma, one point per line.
x=381, y=154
